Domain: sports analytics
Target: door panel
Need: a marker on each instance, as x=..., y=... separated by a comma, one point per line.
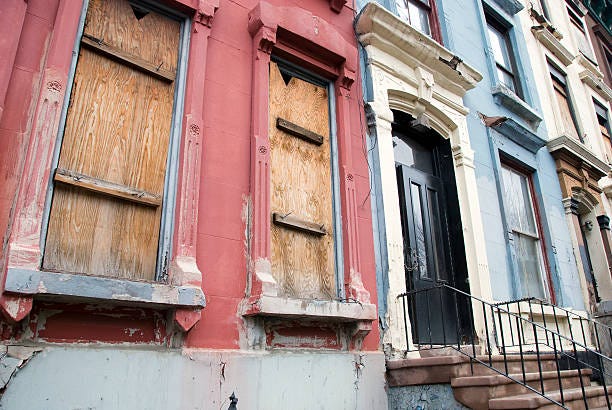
x=427, y=249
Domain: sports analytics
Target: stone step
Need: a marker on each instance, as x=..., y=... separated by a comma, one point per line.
x=440, y=369
x=573, y=400
x=422, y=370
x=476, y=391
x=514, y=364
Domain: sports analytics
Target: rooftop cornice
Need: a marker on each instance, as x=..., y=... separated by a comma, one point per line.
x=376, y=26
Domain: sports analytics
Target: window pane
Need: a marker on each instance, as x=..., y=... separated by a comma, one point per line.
x=419, y=18
x=566, y=112
x=415, y=13
x=499, y=45
x=437, y=244
x=519, y=211
x=506, y=79
x=529, y=267
x=420, y=247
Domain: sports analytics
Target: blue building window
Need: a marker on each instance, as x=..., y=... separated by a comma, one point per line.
x=504, y=58
x=525, y=232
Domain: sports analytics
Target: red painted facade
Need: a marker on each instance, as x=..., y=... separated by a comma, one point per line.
x=223, y=145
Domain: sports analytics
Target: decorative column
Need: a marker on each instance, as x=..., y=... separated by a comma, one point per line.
x=604, y=227
x=183, y=268
x=24, y=247
x=264, y=39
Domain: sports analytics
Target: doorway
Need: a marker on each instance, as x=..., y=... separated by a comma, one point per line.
x=434, y=251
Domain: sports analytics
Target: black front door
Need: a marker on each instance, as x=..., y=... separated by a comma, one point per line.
x=430, y=247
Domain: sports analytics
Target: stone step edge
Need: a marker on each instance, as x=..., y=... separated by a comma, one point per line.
x=533, y=400
x=498, y=379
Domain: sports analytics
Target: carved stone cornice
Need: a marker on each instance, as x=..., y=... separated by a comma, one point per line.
x=379, y=28
x=578, y=155
x=205, y=12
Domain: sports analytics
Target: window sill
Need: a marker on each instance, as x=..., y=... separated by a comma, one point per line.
x=74, y=287
x=553, y=44
x=596, y=83
x=509, y=6
x=507, y=98
x=323, y=310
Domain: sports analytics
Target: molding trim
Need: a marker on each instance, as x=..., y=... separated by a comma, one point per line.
x=509, y=6
x=378, y=27
x=506, y=97
x=553, y=45
x=577, y=150
x=521, y=135
x=597, y=84
x=76, y=287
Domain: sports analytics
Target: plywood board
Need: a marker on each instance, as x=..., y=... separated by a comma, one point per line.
x=302, y=263
x=117, y=130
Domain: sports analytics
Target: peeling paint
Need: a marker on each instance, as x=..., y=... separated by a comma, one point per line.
x=13, y=358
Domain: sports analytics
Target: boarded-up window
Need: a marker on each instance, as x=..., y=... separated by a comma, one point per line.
x=561, y=94
x=109, y=183
x=301, y=188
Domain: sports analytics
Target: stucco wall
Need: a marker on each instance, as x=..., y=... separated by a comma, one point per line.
x=465, y=34
x=124, y=378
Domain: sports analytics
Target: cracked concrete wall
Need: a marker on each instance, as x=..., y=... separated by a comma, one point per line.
x=128, y=378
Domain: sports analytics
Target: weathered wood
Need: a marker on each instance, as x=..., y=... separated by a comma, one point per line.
x=302, y=263
x=128, y=59
x=300, y=132
x=107, y=188
x=117, y=130
x=293, y=222
x=153, y=38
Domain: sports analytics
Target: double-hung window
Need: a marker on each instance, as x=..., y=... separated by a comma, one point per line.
x=559, y=83
x=579, y=30
x=420, y=14
x=525, y=232
x=604, y=127
x=111, y=176
x=504, y=59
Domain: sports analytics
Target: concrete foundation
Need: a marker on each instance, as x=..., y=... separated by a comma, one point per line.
x=127, y=378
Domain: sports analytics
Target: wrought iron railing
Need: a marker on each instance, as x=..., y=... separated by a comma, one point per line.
x=509, y=330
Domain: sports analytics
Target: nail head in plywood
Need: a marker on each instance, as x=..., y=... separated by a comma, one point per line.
x=293, y=222
x=107, y=188
x=300, y=132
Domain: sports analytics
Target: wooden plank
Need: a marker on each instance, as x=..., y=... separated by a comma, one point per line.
x=128, y=59
x=153, y=38
x=302, y=263
x=300, y=132
x=107, y=188
x=293, y=222
x=117, y=130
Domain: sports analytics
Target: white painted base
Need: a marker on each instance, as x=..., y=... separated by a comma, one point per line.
x=130, y=378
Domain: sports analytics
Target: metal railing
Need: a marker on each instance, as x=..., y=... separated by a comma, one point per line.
x=511, y=330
